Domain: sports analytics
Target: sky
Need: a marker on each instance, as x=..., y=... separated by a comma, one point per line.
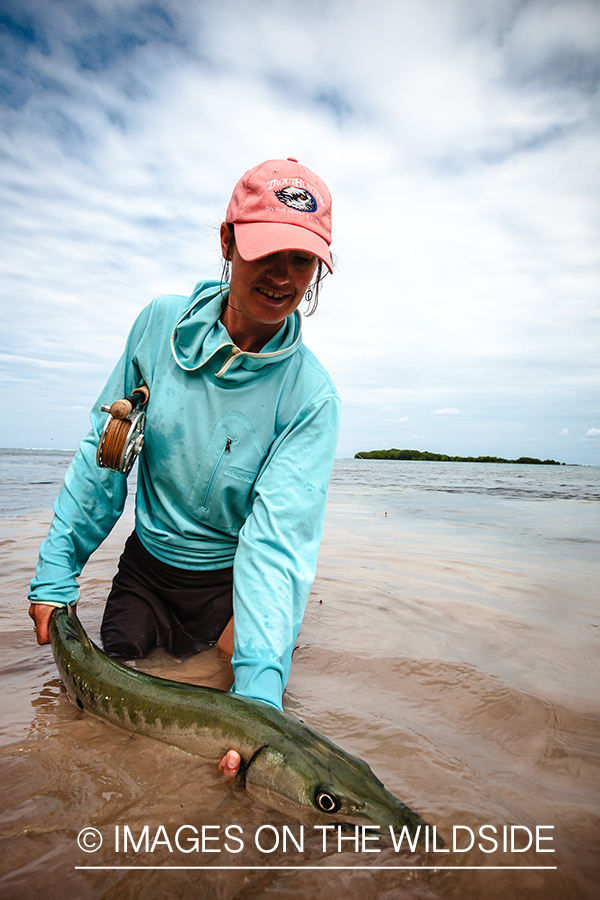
x=460, y=140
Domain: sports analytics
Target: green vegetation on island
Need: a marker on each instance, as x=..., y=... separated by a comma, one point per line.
x=441, y=457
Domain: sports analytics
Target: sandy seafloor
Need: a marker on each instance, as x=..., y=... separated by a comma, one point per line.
x=451, y=640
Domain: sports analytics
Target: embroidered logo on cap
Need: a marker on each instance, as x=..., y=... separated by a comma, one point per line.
x=297, y=198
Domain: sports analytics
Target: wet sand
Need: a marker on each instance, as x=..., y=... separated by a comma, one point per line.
x=450, y=640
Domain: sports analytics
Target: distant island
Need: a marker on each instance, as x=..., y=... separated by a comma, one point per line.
x=441, y=457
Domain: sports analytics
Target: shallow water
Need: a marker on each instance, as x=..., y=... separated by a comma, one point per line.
x=451, y=640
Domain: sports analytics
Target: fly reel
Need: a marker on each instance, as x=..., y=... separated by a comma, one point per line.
x=122, y=437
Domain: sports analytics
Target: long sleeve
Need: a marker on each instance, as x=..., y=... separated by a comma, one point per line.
x=90, y=501
x=276, y=560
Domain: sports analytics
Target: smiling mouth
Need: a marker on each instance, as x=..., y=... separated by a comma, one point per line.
x=271, y=295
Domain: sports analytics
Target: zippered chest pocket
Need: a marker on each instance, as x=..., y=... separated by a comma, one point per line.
x=222, y=492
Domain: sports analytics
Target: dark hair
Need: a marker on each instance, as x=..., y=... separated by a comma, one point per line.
x=313, y=290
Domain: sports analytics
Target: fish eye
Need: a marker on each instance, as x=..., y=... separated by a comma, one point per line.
x=329, y=803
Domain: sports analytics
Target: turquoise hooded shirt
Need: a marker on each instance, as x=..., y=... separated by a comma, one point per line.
x=236, y=463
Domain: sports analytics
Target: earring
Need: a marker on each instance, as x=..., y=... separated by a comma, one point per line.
x=308, y=295
x=227, y=271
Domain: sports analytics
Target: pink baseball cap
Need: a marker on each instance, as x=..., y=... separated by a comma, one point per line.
x=281, y=205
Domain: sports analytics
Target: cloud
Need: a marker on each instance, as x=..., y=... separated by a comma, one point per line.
x=592, y=433
x=461, y=147
x=447, y=411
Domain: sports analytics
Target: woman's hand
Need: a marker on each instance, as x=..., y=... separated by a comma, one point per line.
x=230, y=763
x=40, y=613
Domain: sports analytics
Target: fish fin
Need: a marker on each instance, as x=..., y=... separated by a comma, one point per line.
x=77, y=628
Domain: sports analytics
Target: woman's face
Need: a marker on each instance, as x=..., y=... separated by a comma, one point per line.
x=264, y=292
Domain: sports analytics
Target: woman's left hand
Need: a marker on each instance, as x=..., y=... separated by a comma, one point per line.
x=230, y=763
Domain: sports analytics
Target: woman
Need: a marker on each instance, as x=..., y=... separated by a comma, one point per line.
x=241, y=428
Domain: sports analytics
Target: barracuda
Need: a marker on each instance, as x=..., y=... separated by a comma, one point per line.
x=284, y=762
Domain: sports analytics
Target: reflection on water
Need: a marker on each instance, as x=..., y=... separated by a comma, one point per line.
x=451, y=640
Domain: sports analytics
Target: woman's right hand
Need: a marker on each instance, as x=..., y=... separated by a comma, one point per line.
x=40, y=613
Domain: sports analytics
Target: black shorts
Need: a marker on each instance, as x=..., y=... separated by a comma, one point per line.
x=152, y=604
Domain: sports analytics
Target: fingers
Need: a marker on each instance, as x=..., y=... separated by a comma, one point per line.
x=40, y=613
x=230, y=764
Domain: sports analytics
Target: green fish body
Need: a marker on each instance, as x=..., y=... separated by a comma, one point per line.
x=284, y=762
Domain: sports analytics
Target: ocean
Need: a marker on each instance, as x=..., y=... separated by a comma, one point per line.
x=451, y=640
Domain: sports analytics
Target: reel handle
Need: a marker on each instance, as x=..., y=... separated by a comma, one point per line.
x=120, y=409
